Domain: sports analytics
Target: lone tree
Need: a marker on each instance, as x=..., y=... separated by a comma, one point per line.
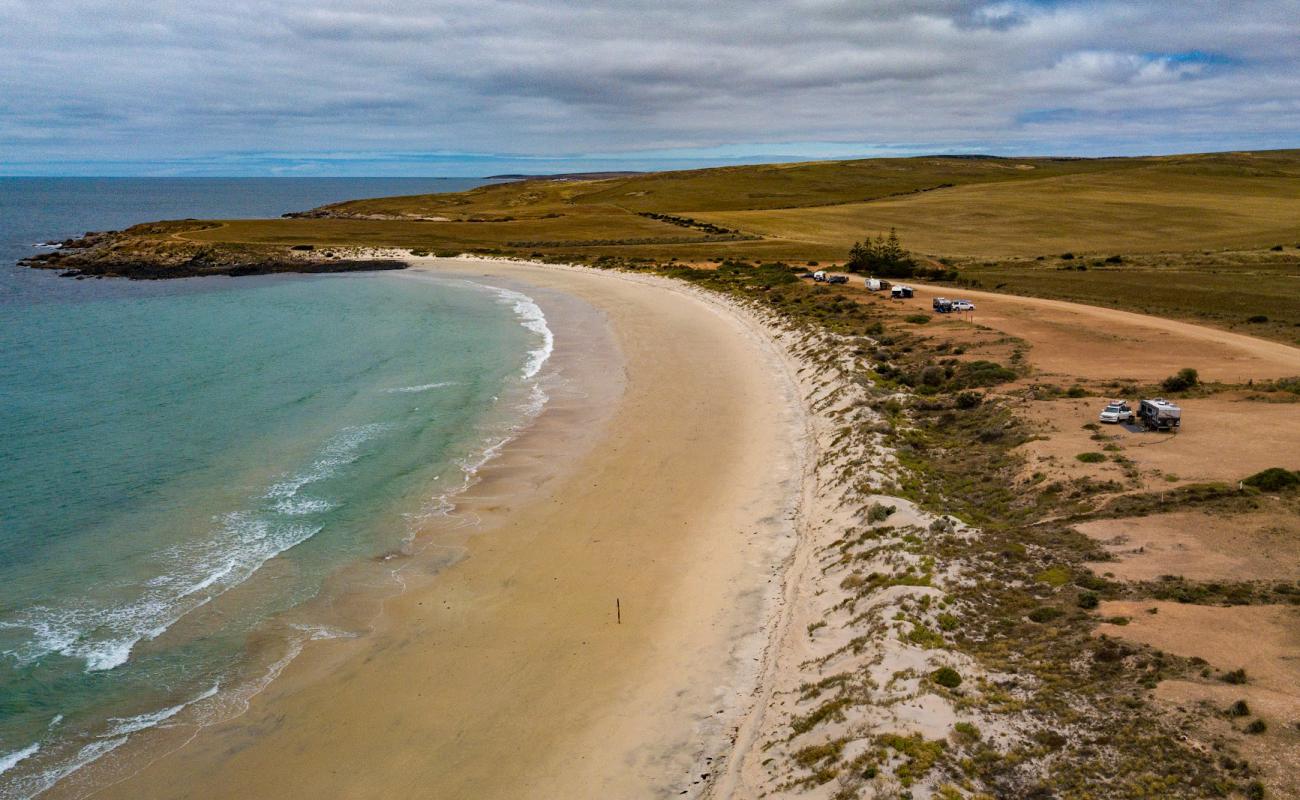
x=882, y=256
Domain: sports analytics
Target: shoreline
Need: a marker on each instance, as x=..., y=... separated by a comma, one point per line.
x=669, y=754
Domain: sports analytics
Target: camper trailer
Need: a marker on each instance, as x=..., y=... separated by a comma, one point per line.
x=878, y=285
x=901, y=292
x=1159, y=415
x=819, y=276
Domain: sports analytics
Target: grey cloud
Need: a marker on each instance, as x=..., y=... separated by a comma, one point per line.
x=89, y=80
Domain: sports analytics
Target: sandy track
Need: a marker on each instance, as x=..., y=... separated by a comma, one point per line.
x=1091, y=342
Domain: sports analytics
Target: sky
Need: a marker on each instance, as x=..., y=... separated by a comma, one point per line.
x=481, y=87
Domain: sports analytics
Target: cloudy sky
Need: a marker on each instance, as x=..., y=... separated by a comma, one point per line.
x=474, y=87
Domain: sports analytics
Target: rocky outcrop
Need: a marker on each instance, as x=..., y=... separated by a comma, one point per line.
x=155, y=251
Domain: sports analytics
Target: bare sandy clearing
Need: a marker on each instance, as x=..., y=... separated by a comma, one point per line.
x=1263, y=640
x=1199, y=546
x=1223, y=438
x=1276, y=751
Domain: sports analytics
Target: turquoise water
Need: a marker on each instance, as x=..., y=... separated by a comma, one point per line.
x=178, y=465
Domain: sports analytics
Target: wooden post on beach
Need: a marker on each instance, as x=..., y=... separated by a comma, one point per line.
x=618, y=610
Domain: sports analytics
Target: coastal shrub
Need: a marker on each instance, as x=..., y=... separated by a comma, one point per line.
x=1088, y=601
x=879, y=513
x=1067, y=256
x=1235, y=677
x=1044, y=614
x=1115, y=260
x=966, y=732
x=1257, y=727
x=1183, y=380
x=1239, y=709
x=1257, y=319
x=975, y=374
x=1091, y=458
x=946, y=677
x=1273, y=479
x=917, y=319
x=1054, y=576
x=1077, y=391
x=969, y=400
x=1255, y=791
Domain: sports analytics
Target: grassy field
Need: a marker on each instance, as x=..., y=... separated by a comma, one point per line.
x=1252, y=292
x=1197, y=235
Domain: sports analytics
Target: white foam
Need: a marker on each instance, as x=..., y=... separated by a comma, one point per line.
x=38, y=783
x=10, y=760
x=424, y=387
x=128, y=725
x=531, y=317
x=199, y=571
x=301, y=506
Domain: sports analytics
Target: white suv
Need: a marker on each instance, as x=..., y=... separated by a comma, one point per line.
x=962, y=305
x=1116, y=411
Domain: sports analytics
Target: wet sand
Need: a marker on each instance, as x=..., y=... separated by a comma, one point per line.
x=661, y=484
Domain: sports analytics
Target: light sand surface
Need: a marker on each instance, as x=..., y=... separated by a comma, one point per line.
x=1261, y=545
x=507, y=674
x=1222, y=438
x=1095, y=343
x=1263, y=640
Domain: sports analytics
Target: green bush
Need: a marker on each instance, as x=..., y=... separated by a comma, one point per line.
x=917, y=319
x=969, y=400
x=1239, y=709
x=947, y=677
x=1077, y=391
x=1088, y=600
x=1044, y=614
x=1185, y=379
x=1091, y=458
x=1236, y=677
x=1258, y=319
x=1257, y=727
x=1273, y=479
x=879, y=513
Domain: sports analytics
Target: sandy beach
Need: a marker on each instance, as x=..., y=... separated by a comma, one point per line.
x=601, y=629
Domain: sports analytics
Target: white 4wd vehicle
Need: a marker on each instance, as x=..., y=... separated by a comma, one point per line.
x=1116, y=411
x=962, y=305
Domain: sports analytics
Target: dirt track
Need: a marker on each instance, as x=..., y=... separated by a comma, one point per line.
x=1094, y=343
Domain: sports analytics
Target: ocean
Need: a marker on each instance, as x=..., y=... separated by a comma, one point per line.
x=184, y=462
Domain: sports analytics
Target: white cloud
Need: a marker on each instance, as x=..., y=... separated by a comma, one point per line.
x=92, y=80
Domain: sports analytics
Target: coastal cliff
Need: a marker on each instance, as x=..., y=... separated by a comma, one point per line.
x=156, y=250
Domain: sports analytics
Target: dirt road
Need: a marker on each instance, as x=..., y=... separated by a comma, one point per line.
x=1094, y=343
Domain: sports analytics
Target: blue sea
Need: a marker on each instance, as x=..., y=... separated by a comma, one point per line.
x=182, y=462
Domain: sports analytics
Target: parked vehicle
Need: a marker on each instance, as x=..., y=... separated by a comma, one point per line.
x=878, y=285
x=962, y=305
x=901, y=292
x=838, y=279
x=819, y=276
x=942, y=305
x=1160, y=415
x=1116, y=411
